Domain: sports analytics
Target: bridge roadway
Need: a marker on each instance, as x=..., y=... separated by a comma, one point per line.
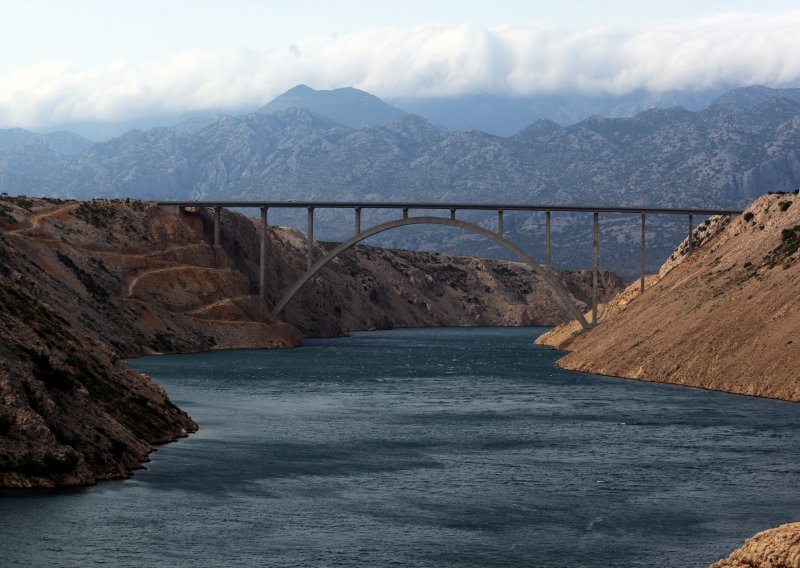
x=359, y=235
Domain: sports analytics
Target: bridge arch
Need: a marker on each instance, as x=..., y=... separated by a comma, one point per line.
x=561, y=293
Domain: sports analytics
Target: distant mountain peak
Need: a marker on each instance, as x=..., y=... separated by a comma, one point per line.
x=300, y=89
x=348, y=106
x=754, y=95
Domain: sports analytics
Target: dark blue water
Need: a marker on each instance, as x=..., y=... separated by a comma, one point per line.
x=446, y=447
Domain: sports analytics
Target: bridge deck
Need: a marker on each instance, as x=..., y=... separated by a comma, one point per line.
x=457, y=206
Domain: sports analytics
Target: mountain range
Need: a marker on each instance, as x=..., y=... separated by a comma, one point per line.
x=743, y=144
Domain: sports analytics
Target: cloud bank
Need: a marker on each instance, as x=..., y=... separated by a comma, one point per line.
x=418, y=62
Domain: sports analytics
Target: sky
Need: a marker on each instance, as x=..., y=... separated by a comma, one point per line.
x=111, y=60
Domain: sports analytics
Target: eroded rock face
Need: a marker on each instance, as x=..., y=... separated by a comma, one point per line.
x=724, y=316
x=83, y=285
x=773, y=548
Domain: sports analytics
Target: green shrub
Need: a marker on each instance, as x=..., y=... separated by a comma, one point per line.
x=748, y=216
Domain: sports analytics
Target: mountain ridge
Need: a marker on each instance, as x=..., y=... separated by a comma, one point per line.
x=721, y=155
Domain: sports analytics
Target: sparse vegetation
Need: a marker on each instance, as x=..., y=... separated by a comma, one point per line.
x=53, y=379
x=49, y=465
x=163, y=342
x=49, y=326
x=748, y=216
x=83, y=277
x=95, y=213
x=784, y=205
x=790, y=244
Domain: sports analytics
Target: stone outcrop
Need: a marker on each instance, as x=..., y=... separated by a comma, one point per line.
x=723, y=316
x=773, y=548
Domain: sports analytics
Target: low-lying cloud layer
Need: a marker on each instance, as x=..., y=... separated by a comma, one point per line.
x=425, y=61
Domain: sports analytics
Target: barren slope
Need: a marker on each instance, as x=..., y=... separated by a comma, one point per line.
x=725, y=317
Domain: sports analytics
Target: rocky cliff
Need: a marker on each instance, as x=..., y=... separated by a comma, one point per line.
x=773, y=548
x=84, y=284
x=723, y=316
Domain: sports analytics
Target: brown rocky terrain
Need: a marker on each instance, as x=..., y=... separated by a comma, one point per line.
x=773, y=548
x=84, y=284
x=724, y=316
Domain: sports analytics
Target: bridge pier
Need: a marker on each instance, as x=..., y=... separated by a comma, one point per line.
x=358, y=220
x=452, y=213
x=594, y=271
x=310, y=237
x=405, y=212
x=547, y=240
x=500, y=222
x=690, y=243
x=644, y=245
x=217, y=211
x=262, y=266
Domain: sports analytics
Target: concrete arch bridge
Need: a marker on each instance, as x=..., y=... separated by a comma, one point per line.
x=542, y=270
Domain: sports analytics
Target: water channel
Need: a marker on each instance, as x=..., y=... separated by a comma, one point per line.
x=430, y=447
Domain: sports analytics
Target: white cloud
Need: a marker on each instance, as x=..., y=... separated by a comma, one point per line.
x=423, y=61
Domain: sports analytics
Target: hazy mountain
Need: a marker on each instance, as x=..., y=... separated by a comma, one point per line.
x=747, y=97
x=347, y=106
x=61, y=143
x=721, y=156
x=504, y=116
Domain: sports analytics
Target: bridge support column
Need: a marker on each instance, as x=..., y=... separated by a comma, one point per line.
x=547, y=240
x=262, y=267
x=500, y=222
x=594, y=271
x=310, y=237
x=358, y=220
x=644, y=246
x=452, y=213
x=217, y=211
x=405, y=212
x=690, y=244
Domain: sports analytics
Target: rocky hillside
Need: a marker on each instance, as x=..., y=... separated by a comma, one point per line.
x=773, y=548
x=84, y=284
x=724, y=316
